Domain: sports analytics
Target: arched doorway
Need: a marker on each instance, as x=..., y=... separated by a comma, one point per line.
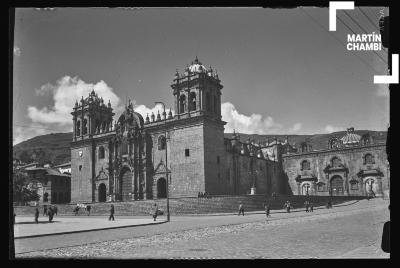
x=102, y=192
x=161, y=188
x=370, y=185
x=126, y=184
x=337, y=185
x=306, y=188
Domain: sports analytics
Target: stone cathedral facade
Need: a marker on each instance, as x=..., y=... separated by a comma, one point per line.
x=126, y=160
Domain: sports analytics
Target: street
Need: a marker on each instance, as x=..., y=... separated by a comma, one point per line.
x=352, y=231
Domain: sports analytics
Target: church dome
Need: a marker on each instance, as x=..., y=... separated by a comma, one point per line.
x=197, y=67
x=350, y=138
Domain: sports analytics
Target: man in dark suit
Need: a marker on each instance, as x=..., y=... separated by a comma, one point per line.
x=385, y=245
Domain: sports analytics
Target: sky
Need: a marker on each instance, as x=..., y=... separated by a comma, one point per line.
x=283, y=72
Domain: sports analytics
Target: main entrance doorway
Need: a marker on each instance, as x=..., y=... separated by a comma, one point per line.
x=126, y=184
x=337, y=185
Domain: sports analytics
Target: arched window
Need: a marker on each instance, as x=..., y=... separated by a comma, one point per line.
x=78, y=128
x=334, y=143
x=369, y=159
x=84, y=127
x=101, y=152
x=161, y=142
x=182, y=103
x=305, y=165
x=336, y=162
x=215, y=104
x=208, y=102
x=192, y=101
x=304, y=147
x=365, y=139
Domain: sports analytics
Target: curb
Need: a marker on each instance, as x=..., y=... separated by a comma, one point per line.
x=90, y=230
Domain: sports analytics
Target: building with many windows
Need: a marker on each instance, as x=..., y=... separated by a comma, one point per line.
x=125, y=160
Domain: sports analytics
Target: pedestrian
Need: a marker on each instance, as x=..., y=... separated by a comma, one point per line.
x=267, y=209
x=50, y=213
x=385, y=242
x=88, y=208
x=287, y=206
x=155, y=211
x=37, y=215
x=111, y=213
x=55, y=209
x=311, y=207
x=76, y=210
x=241, y=209
x=368, y=197
x=198, y=195
x=306, y=204
x=45, y=210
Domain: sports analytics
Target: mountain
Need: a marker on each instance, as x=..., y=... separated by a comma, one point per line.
x=55, y=147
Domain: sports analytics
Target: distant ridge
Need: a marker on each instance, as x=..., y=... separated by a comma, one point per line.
x=55, y=147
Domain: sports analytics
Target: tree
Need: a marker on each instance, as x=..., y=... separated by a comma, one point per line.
x=21, y=192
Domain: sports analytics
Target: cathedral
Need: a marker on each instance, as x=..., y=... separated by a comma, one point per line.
x=133, y=158
x=180, y=155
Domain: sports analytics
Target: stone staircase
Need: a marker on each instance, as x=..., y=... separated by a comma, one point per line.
x=192, y=205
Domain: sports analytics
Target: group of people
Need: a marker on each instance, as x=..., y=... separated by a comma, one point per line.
x=86, y=207
x=309, y=206
x=203, y=195
x=47, y=211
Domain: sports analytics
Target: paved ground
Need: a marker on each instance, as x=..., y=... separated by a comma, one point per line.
x=352, y=231
x=26, y=227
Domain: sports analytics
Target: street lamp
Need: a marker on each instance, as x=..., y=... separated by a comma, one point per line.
x=166, y=156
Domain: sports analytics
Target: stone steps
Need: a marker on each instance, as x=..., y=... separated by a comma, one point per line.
x=191, y=205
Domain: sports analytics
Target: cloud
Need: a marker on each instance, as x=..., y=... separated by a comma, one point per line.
x=330, y=129
x=253, y=124
x=17, y=51
x=296, y=127
x=65, y=92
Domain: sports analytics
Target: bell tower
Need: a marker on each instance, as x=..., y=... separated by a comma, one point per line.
x=197, y=91
x=91, y=116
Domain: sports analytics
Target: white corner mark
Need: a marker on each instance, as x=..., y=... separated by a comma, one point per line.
x=390, y=79
x=333, y=6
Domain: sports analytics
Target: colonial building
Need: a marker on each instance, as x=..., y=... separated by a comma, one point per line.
x=127, y=160
x=52, y=186
x=350, y=165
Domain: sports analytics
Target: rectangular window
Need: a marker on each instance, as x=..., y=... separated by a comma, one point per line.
x=320, y=188
x=187, y=152
x=354, y=186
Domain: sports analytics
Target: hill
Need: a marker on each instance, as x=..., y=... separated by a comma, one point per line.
x=55, y=147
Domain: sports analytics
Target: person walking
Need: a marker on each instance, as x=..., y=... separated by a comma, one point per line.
x=50, y=213
x=241, y=209
x=37, y=215
x=76, y=209
x=311, y=207
x=287, y=206
x=306, y=204
x=155, y=211
x=45, y=210
x=55, y=209
x=111, y=213
x=267, y=210
x=88, y=208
